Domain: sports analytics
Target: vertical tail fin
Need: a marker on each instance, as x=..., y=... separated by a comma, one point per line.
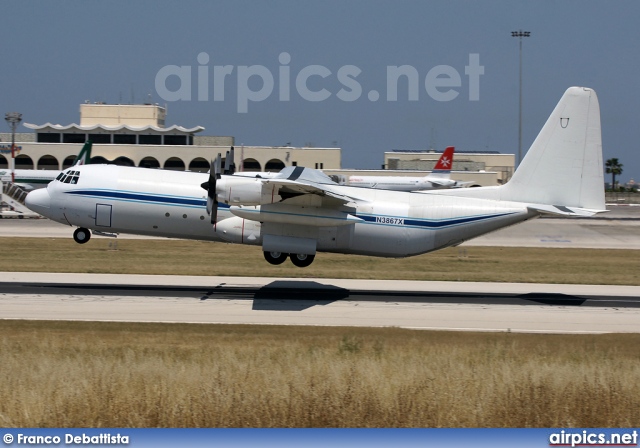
x=84, y=155
x=442, y=168
x=563, y=167
x=445, y=161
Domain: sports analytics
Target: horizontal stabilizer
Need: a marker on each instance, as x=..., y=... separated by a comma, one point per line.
x=564, y=211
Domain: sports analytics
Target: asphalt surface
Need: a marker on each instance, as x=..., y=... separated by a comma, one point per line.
x=313, y=291
x=325, y=302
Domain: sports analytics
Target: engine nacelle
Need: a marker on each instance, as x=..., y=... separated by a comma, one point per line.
x=238, y=230
x=245, y=191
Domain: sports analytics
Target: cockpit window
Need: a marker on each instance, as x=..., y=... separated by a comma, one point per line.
x=69, y=177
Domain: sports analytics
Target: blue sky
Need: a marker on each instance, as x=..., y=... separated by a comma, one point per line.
x=56, y=55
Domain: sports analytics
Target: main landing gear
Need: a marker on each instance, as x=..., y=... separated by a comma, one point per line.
x=81, y=235
x=300, y=260
x=275, y=257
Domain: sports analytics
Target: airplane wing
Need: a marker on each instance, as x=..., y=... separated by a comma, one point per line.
x=287, y=189
x=294, y=181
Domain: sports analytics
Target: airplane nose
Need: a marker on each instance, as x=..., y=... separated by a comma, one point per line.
x=39, y=201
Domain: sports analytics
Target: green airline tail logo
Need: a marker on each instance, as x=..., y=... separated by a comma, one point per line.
x=85, y=154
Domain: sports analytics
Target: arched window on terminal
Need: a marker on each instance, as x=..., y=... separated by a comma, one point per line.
x=174, y=164
x=68, y=162
x=48, y=162
x=200, y=165
x=24, y=162
x=149, y=162
x=251, y=165
x=274, y=165
x=124, y=161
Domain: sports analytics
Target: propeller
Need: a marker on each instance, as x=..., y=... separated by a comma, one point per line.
x=229, y=163
x=210, y=186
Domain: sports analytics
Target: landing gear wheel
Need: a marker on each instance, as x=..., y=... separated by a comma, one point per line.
x=81, y=235
x=275, y=257
x=302, y=260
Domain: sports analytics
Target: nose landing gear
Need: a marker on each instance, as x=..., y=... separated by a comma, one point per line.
x=81, y=235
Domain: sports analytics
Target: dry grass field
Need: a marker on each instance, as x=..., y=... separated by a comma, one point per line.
x=181, y=257
x=80, y=374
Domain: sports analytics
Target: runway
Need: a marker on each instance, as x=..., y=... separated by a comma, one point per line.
x=326, y=302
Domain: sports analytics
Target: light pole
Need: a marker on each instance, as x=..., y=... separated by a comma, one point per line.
x=13, y=119
x=520, y=34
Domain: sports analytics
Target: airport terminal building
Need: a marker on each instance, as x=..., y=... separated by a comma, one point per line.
x=135, y=135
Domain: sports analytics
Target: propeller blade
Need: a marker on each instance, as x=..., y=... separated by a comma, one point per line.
x=214, y=210
x=217, y=166
x=210, y=186
x=229, y=163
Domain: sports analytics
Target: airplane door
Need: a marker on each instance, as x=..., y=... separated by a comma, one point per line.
x=103, y=215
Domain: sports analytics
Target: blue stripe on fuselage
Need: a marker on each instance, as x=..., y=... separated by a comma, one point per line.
x=144, y=198
x=429, y=223
x=202, y=203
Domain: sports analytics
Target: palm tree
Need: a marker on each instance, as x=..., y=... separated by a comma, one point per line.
x=614, y=168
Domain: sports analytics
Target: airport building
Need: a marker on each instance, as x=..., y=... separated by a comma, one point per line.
x=488, y=167
x=479, y=169
x=135, y=135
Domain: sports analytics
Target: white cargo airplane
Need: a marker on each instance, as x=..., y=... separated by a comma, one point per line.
x=301, y=211
x=33, y=179
x=440, y=177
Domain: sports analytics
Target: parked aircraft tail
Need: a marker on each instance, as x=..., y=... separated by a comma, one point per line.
x=84, y=155
x=443, y=166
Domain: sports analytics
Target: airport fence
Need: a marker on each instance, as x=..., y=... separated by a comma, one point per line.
x=622, y=197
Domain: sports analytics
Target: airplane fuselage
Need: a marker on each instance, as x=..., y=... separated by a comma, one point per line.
x=115, y=199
